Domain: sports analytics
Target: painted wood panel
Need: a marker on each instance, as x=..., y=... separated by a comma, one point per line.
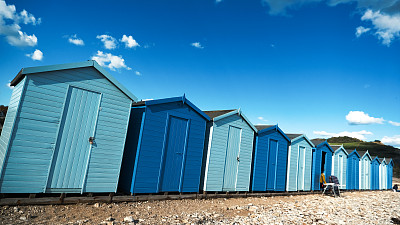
x=302, y=177
x=340, y=167
x=217, y=152
x=37, y=130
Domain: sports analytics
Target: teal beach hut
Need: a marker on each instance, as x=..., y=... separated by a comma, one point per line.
x=65, y=130
x=389, y=172
x=383, y=174
x=375, y=164
x=353, y=172
x=365, y=170
x=228, y=151
x=339, y=164
x=299, y=163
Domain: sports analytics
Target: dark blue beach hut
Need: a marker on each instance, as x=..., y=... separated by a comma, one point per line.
x=270, y=159
x=389, y=172
x=228, y=151
x=164, y=147
x=322, y=162
x=375, y=163
x=65, y=130
x=353, y=172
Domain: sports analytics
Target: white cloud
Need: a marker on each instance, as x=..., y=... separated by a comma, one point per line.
x=394, y=141
x=360, y=30
x=386, y=27
x=108, y=41
x=218, y=1
x=262, y=118
x=129, y=41
x=9, y=85
x=138, y=73
x=355, y=134
x=10, y=28
x=75, y=40
x=36, y=55
x=397, y=124
x=197, y=45
x=279, y=7
x=359, y=117
x=111, y=61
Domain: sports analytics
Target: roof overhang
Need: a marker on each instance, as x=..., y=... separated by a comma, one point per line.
x=89, y=63
x=276, y=128
x=305, y=137
x=341, y=148
x=327, y=145
x=367, y=155
x=237, y=112
x=182, y=99
x=355, y=152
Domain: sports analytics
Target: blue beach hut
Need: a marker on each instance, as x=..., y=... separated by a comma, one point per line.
x=375, y=164
x=299, y=163
x=228, y=151
x=322, y=162
x=164, y=147
x=389, y=173
x=65, y=130
x=353, y=173
x=339, y=164
x=365, y=170
x=270, y=159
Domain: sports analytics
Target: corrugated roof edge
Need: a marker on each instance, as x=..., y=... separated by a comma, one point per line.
x=237, y=111
x=89, y=63
x=275, y=127
x=178, y=99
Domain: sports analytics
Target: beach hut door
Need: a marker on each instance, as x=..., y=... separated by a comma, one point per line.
x=300, y=175
x=232, y=159
x=175, y=146
x=272, y=164
x=72, y=151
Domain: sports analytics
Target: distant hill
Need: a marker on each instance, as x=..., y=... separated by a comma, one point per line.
x=375, y=148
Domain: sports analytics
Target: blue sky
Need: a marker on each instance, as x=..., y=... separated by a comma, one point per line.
x=323, y=68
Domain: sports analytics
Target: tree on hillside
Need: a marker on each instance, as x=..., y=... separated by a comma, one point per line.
x=344, y=139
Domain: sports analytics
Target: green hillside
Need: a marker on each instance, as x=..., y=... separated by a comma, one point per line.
x=375, y=148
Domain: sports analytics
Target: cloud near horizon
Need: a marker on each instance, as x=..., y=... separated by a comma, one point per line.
x=10, y=27
x=355, y=134
x=362, y=118
x=393, y=141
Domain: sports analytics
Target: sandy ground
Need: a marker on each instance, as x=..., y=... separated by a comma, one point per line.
x=379, y=207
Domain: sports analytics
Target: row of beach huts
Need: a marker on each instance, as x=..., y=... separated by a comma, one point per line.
x=73, y=128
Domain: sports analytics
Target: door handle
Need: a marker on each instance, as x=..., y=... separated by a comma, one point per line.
x=238, y=158
x=91, y=140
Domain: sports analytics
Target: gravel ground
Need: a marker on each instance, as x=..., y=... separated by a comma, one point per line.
x=377, y=207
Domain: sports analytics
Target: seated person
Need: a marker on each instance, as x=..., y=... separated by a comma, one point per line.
x=322, y=180
x=395, y=188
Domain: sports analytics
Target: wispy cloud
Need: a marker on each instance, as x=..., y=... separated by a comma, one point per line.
x=397, y=124
x=129, y=41
x=37, y=55
x=10, y=27
x=262, y=119
x=393, y=141
x=360, y=30
x=197, y=45
x=9, y=85
x=386, y=27
x=111, y=61
x=355, y=134
x=108, y=41
x=360, y=117
x=75, y=40
x=138, y=73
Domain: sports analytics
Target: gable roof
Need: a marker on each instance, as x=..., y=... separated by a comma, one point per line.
x=265, y=128
x=220, y=114
x=381, y=160
x=295, y=137
x=375, y=158
x=216, y=113
x=89, y=63
x=354, y=153
x=321, y=142
x=365, y=153
x=336, y=148
x=389, y=160
x=182, y=99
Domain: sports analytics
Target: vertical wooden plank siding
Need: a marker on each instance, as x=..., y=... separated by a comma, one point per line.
x=340, y=166
x=29, y=163
x=220, y=151
x=150, y=151
x=261, y=172
x=296, y=177
x=375, y=174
